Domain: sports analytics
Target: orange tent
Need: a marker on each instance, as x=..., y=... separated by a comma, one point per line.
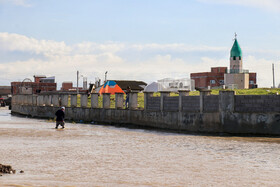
x=110, y=87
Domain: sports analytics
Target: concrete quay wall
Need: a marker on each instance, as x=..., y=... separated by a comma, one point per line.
x=203, y=114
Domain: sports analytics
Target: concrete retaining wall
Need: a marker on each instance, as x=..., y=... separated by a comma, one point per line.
x=257, y=103
x=211, y=103
x=171, y=104
x=191, y=103
x=153, y=103
x=203, y=114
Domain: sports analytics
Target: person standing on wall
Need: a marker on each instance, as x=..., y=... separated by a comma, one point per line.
x=60, y=117
x=128, y=90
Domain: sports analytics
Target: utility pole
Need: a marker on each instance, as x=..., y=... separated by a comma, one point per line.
x=105, y=77
x=77, y=82
x=273, y=75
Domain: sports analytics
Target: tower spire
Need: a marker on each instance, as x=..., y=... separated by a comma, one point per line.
x=235, y=57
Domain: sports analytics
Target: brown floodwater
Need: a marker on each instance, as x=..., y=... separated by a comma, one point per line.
x=96, y=155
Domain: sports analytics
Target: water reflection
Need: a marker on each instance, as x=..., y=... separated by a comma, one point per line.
x=95, y=155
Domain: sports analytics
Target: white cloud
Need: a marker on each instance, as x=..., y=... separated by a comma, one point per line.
x=93, y=59
x=23, y=3
x=16, y=42
x=273, y=5
x=176, y=47
x=90, y=47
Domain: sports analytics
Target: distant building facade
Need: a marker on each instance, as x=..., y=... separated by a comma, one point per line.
x=5, y=91
x=173, y=85
x=66, y=86
x=213, y=79
x=41, y=84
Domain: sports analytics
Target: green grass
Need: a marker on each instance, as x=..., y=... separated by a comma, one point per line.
x=256, y=91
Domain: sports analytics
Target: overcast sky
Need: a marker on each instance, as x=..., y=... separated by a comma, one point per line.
x=135, y=39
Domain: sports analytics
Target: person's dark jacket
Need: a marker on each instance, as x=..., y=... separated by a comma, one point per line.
x=60, y=115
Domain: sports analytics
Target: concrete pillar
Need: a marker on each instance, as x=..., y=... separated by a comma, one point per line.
x=226, y=101
x=106, y=100
x=29, y=99
x=133, y=100
x=94, y=100
x=84, y=100
x=40, y=100
x=34, y=100
x=23, y=99
x=147, y=95
x=162, y=95
x=55, y=100
x=25, y=102
x=50, y=101
x=18, y=99
x=202, y=95
x=64, y=100
x=181, y=94
x=14, y=99
x=119, y=100
x=74, y=100
x=47, y=100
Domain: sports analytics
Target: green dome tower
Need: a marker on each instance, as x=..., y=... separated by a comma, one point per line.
x=235, y=50
x=236, y=64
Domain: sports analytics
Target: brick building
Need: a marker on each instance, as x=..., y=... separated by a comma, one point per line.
x=253, y=80
x=41, y=84
x=214, y=79
x=66, y=86
x=5, y=91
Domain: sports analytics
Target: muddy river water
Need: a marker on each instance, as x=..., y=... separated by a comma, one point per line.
x=96, y=155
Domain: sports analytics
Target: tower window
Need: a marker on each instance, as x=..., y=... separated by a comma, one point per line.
x=240, y=58
x=234, y=58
